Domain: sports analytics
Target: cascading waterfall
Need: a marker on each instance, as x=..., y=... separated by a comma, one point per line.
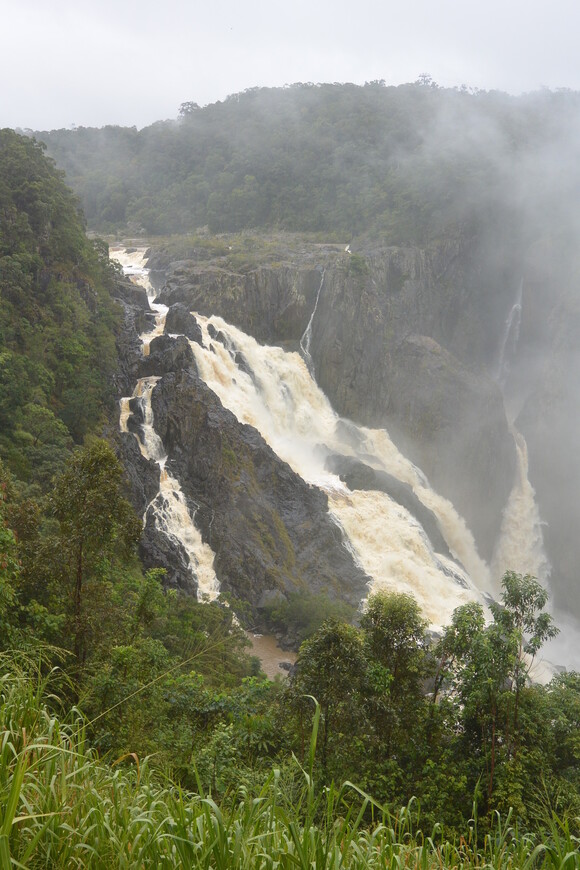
x=274, y=391
x=306, y=339
x=520, y=546
x=168, y=509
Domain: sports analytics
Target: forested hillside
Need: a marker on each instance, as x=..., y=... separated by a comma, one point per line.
x=57, y=317
x=406, y=164
x=71, y=586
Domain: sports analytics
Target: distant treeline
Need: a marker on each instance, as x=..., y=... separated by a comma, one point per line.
x=406, y=164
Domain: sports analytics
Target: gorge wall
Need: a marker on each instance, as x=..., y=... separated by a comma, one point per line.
x=403, y=338
x=382, y=344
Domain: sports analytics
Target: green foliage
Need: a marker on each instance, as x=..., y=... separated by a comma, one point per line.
x=9, y=569
x=357, y=267
x=62, y=806
x=57, y=319
x=408, y=164
x=301, y=614
x=96, y=525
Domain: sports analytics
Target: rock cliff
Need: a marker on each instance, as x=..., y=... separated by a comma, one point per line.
x=546, y=388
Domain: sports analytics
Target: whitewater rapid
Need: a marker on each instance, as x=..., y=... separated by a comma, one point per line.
x=274, y=391
x=168, y=509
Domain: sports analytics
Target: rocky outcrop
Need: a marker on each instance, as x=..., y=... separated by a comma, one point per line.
x=166, y=354
x=273, y=304
x=180, y=321
x=136, y=319
x=268, y=529
x=142, y=474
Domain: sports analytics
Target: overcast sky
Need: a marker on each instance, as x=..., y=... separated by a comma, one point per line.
x=97, y=62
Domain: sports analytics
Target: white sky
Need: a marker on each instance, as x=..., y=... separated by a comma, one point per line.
x=96, y=62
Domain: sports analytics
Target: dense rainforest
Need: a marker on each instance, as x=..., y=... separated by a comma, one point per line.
x=136, y=729
x=404, y=163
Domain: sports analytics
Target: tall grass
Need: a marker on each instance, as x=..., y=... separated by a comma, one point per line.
x=60, y=806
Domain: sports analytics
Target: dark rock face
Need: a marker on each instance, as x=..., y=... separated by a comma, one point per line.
x=180, y=321
x=271, y=304
x=546, y=373
x=357, y=475
x=136, y=314
x=156, y=550
x=376, y=360
x=452, y=424
x=268, y=529
x=143, y=474
x=166, y=354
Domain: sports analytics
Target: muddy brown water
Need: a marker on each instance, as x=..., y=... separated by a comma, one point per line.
x=264, y=646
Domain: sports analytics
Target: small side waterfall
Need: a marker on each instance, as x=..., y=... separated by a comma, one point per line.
x=306, y=339
x=510, y=338
x=168, y=508
x=520, y=546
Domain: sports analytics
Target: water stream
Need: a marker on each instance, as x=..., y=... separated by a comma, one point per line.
x=306, y=339
x=520, y=546
x=169, y=509
x=273, y=390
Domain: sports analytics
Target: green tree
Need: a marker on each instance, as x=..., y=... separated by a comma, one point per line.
x=331, y=667
x=9, y=569
x=526, y=628
x=484, y=668
x=96, y=525
x=396, y=648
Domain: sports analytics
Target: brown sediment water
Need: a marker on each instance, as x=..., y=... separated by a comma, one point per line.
x=264, y=646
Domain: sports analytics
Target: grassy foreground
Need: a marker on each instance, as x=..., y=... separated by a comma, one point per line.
x=61, y=806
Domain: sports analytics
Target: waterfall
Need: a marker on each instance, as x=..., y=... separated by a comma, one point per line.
x=168, y=508
x=307, y=336
x=274, y=391
x=520, y=546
